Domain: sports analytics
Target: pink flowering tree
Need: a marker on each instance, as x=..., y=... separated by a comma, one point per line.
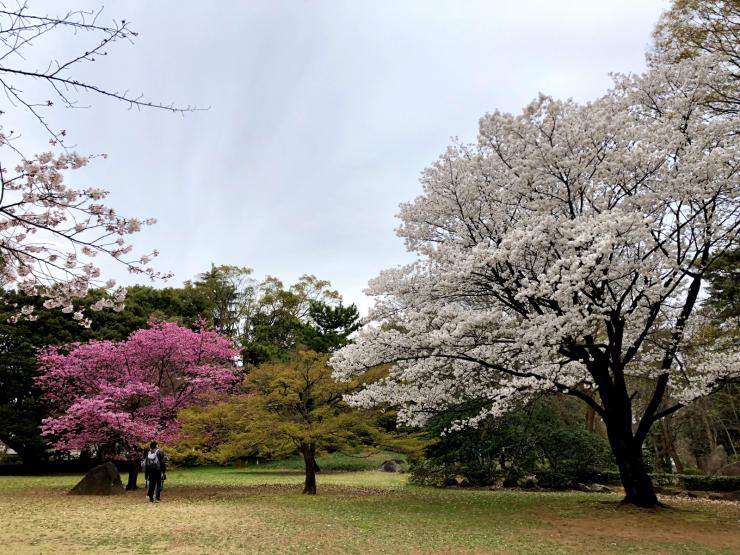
x=112, y=397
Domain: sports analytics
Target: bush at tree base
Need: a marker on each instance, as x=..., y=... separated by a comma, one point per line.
x=546, y=439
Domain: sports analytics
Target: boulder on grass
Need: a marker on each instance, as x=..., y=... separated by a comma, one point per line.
x=730, y=470
x=104, y=479
x=600, y=488
x=390, y=466
x=461, y=481
x=714, y=460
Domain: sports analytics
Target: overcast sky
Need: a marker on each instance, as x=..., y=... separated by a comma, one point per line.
x=322, y=114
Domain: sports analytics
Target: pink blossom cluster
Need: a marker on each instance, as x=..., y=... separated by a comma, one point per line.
x=123, y=394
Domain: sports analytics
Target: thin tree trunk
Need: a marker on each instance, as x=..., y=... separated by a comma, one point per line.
x=308, y=450
x=708, y=428
x=590, y=419
x=729, y=437
x=670, y=443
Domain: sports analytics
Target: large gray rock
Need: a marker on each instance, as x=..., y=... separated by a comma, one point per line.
x=391, y=466
x=461, y=481
x=593, y=488
x=730, y=469
x=104, y=479
x=600, y=488
x=714, y=460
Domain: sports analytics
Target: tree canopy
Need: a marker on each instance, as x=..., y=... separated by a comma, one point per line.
x=287, y=407
x=111, y=397
x=565, y=251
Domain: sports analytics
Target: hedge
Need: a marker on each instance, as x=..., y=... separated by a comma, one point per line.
x=685, y=481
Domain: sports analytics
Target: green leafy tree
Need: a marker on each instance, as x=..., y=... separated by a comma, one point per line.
x=724, y=285
x=330, y=326
x=692, y=28
x=288, y=407
x=281, y=319
x=269, y=320
x=229, y=293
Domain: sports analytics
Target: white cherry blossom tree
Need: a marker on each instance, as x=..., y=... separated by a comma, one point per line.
x=565, y=252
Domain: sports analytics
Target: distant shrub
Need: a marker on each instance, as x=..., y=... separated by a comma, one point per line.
x=698, y=482
x=693, y=471
x=544, y=439
x=710, y=483
x=429, y=473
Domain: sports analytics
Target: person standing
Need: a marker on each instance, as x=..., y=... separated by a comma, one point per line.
x=154, y=472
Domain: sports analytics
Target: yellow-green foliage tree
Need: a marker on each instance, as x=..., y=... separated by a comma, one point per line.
x=288, y=407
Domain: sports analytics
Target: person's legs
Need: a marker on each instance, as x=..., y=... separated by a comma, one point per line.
x=157, y=479
x=151, y=489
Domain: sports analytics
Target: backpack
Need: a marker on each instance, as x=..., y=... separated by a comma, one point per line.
x=151, y=462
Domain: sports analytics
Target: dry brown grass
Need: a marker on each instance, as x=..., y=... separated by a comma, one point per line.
x=240, y=511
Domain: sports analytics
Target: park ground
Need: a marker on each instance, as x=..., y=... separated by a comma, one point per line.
x=261, y=510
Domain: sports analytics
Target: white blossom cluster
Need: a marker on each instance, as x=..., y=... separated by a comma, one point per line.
x=50, y=232
x=564, y=251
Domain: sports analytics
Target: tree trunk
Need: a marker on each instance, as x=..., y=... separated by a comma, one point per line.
x=308, y=450
x=708, y=428
x=133, y=475
x=670, y=442
x=590, y=420
x=638, y=487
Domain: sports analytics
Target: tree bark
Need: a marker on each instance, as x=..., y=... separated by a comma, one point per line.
x=708, y=428
x=670, y=442
x=133, y=475
x=308, y=450
x=590, y=419
x=638, y=487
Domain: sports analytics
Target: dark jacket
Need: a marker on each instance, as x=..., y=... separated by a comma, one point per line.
x=147, y=470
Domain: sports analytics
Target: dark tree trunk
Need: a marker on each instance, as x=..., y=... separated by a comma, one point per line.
x=638, y=487
x=308, y=450
x=133, y=475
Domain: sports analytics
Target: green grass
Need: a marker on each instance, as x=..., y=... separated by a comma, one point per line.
x=261, y=510
x=334, y=462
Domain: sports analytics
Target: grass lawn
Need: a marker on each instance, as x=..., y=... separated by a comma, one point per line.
x=261, y=510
